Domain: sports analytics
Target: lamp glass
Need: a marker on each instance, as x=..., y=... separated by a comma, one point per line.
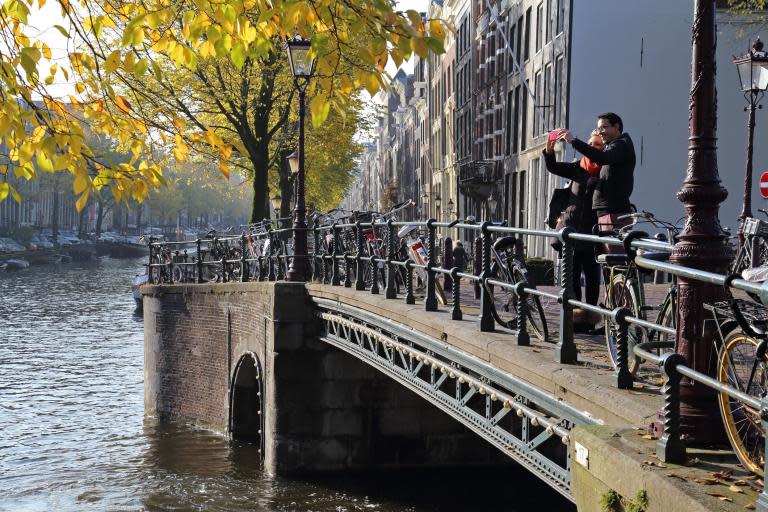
x=293, y=162
x=276, y=201
x=302, y=64
x=753, y=72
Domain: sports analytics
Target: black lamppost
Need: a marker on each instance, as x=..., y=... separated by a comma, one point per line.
x=450, y=208
x=753, y=76
x=302, y=65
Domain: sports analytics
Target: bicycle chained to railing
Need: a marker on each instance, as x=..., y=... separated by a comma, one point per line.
x=624, y=285
x=508, y=265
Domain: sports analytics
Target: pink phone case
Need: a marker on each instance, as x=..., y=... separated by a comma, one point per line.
x=554, y=134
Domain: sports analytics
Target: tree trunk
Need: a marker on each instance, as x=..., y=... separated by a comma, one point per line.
x=260, y=161
x=99, y=217
x=139, y=212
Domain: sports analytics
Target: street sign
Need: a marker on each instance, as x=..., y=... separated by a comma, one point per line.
x=764, y=184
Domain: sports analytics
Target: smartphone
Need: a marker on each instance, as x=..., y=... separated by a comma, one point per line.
x=555, y=134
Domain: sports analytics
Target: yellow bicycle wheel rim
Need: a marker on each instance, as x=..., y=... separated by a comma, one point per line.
x=742, y=424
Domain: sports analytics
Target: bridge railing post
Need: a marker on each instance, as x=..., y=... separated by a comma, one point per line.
x=390, y=292
x=477, y=262
x=150, y=279
x=224, y=277
x=456, y=313
x=281, y=260
x=430, y=303
x=270, y=260
x=199, y=265
x=409, y=297
x=565, y=351
x=669, y=447
x=374, y=264
x=243, y=263
x=316, y=263
x=447, y=262
x=523, y=337
x=335, y=277
x=359, y=264
x=348, y=259
x=622, y=377
x=762, y=499
x=485, y=319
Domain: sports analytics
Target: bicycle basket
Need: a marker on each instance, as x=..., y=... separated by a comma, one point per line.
x=752, y=311
x=755, y=227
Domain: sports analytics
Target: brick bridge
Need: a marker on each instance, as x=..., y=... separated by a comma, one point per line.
x=327, y=378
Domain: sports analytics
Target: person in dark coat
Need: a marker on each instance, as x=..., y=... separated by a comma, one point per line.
x=611, y=199
x=459, y=256
x=580, y=216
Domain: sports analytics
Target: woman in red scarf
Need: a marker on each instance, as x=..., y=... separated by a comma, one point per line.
x=580, y=216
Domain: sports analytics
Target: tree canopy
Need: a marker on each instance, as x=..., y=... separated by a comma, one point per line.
x=164, y=79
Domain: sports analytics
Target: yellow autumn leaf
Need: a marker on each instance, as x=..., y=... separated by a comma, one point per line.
x=112, y=62
x=436, y=29
x=46, y=51
x=224, y=168
x=80, y=204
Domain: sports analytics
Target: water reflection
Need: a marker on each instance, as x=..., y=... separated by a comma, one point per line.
x=73, y=435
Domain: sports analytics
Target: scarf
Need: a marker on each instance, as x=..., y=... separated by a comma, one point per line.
x=590, y=167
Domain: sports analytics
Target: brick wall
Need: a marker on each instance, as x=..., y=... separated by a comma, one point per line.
x=324, y=410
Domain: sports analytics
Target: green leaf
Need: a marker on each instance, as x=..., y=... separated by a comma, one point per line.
x=15, y=194
x=319, y=106
x=238, y=55
x=44, y=163
x=62, y=30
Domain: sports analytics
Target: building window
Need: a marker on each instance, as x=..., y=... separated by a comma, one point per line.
x=547, y=106
x=539, y=25
x=558, y=99
x=521, y=199
x=524, y=117
x=560, y=16
x=548, y=24
x=537, y=106
x=512, y=48
x=527, y=42
x=516, y=128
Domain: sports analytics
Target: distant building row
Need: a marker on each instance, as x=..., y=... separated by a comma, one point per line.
x=463, y=134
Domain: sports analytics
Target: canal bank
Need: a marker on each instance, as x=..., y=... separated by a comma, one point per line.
x=74, y=437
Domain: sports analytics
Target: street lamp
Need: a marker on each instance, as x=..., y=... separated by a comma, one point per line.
x=753, y=77
x=450, y=208
x=302, y=65
x=424, y=205
x=276, y=201
x=437, y=202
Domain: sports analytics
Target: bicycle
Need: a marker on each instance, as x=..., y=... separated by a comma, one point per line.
x=742, y=326
x=624, y=288
x=753, y=245
x=508, y=265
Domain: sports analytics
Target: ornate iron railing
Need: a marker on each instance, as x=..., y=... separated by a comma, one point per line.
x=341, y=255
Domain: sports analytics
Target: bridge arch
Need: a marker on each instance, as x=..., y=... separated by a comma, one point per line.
x=246, y=403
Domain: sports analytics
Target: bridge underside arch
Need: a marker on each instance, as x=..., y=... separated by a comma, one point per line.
x=246, y=418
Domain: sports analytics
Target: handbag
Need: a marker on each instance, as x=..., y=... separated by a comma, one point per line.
x=558, y=203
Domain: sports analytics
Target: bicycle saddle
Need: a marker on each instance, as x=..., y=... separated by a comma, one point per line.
x=613, y=259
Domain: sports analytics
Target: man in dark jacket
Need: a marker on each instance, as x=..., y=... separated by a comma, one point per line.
x=616, y=179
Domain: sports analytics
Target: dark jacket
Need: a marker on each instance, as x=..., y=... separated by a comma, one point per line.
x=460, y=258
x=579, y=214
x=617, y=177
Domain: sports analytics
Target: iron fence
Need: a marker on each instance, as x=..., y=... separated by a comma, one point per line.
x=342, y=254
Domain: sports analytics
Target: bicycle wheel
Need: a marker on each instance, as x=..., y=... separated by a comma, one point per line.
x=504, y=311
x=622, y=295
x=738, y=366
x=537, y=322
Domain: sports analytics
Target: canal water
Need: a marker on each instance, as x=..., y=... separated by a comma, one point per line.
x=73, y=435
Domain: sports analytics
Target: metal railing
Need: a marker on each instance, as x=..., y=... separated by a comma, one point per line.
x=339, y=257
